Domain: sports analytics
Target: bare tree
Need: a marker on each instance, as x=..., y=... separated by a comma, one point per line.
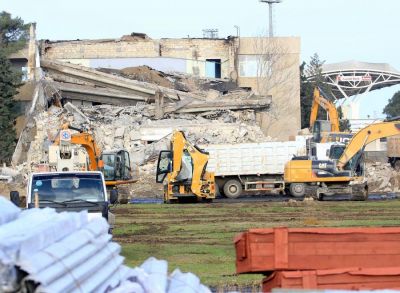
x=276, y=71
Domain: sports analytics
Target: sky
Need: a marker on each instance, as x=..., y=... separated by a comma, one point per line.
x=340, y=30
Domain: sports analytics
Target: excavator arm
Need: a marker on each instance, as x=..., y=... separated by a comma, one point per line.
x=366, y=136
x=88, y=143
x=86, y=140
x=328, y=106
x=199, y=160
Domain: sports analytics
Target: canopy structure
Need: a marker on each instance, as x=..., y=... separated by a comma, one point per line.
x=354, y=77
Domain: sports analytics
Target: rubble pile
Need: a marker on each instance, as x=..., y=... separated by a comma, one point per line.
x=142, y=73
x=382, y=178
x=133, y=129
x=174, y=80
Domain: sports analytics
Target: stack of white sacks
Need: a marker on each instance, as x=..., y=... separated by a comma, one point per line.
x=47, y=251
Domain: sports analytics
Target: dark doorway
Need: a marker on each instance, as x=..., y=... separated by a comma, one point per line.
x=213, y=68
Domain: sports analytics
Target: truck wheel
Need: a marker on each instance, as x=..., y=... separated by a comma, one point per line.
x=297, y=189
x=233, y=188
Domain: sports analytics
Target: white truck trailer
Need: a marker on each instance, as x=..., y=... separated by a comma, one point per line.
x=256, y=167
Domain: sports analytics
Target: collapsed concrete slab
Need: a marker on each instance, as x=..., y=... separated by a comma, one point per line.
x=77, y=82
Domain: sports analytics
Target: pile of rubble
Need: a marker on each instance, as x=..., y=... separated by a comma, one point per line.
x=382, y=178
x=174, y=80
x=133, y=129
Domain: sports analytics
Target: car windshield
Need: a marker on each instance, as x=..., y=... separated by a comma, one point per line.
x=67, y=187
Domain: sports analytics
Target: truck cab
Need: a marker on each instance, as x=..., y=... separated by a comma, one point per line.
x=70, y=191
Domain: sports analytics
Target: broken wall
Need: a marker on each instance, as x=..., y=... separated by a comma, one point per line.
x=184, y=55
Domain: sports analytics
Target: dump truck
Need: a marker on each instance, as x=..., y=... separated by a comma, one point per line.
x=252, y=167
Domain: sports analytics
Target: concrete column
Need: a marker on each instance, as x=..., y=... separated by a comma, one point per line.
x=32, y=52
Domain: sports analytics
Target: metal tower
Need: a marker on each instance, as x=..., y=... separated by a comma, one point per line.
x=270, y=2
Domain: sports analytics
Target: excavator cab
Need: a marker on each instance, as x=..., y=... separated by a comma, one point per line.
x=117, y=166
x=320, y=129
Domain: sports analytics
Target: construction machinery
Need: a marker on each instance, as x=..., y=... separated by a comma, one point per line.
x=115, y=164
x=184, y=166
x=393, y=148
x=343, y=172
x=325, y=130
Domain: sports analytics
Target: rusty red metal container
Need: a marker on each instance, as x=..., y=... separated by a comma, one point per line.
x=344, y=279
x=267, y=250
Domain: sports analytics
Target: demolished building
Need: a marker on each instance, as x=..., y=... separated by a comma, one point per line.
x=267, y=66
x=134, y=108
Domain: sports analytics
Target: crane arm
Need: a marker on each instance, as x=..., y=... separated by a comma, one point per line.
x=366, y=136
x=199, y=160
x=328, y=106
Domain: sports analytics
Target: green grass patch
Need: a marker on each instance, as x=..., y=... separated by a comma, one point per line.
x=199, y=237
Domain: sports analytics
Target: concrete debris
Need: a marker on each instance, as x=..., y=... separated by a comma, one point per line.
x=174, y=80
x=142, y=73
x=65, y=252
x=135, y=129
x=382, y=178
x=79, y=117
x=130, y=85
x=132, y=128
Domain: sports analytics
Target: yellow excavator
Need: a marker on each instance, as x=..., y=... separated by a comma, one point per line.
x=115, y=165
x=343, y=173
x=325, y=130
x=184, y=166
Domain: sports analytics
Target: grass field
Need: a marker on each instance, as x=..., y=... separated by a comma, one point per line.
x=199, y=237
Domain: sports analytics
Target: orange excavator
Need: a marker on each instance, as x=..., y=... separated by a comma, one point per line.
x=114, y=164
x=325, y=130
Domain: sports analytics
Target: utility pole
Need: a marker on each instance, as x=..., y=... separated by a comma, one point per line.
x=270, y=3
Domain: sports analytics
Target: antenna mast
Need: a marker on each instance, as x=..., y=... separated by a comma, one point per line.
x=270, y=3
